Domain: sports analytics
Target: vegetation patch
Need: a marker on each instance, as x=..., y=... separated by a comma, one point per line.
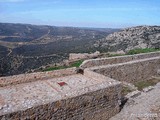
x=140, y=50
x=75, y=64
x=135, y=51
x=126, y=90
x=114, y=55
x=143, y=84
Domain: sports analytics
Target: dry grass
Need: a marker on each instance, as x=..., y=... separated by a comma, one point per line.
x=143, y=84
x=126, y=90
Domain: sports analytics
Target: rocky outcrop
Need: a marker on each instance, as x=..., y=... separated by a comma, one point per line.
x=131, y=38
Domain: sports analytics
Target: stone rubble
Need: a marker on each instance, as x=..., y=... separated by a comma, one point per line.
x=141, y=107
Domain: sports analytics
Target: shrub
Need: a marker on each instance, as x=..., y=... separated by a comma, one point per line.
x=140, y=50
x=75, y=64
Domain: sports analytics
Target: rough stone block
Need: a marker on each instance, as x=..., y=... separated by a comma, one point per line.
x=148, y=89
x=133, y=94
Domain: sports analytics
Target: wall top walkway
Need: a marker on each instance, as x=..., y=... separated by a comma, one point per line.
x=24, y=96
x=124, y=64
x=30, y=77
x=118, y=59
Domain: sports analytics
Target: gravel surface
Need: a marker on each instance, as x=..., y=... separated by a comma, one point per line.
x=144, y=107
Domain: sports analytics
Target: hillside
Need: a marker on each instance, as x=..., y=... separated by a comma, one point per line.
x=24, y=47
x=131, y=38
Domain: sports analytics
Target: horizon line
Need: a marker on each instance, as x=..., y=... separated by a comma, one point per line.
x=72, y=26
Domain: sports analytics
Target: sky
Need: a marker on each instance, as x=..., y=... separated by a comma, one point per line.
x=81, y=13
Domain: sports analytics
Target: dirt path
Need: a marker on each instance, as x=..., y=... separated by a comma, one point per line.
x=144, y=107
x=10, y=51
x=43, y=35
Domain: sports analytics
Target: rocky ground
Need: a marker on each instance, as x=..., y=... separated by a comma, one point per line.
x=144, y=107
x=131, y=38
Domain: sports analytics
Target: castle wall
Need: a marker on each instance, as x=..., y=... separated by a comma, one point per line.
x=79, y=56
x=99, y=101
x=132, y=71
x=96, y=105
x=30, y=77
x=118, y=59
x=93, y=95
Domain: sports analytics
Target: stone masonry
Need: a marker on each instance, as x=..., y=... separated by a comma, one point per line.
x=67, y=95
x=74, y=97
x=131, y=72
x=24, y=78
x=79, y=56
x=115, y=60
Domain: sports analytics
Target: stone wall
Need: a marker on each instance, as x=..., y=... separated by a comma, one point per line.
x=79, y=56
x=98, y=102
x=96, y=99
x=29, y=77
x=132, y=71
x=97, y=76
x=115, y=60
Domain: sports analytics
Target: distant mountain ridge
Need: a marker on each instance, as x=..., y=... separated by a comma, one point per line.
x=131, y=38
x=24, y=47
